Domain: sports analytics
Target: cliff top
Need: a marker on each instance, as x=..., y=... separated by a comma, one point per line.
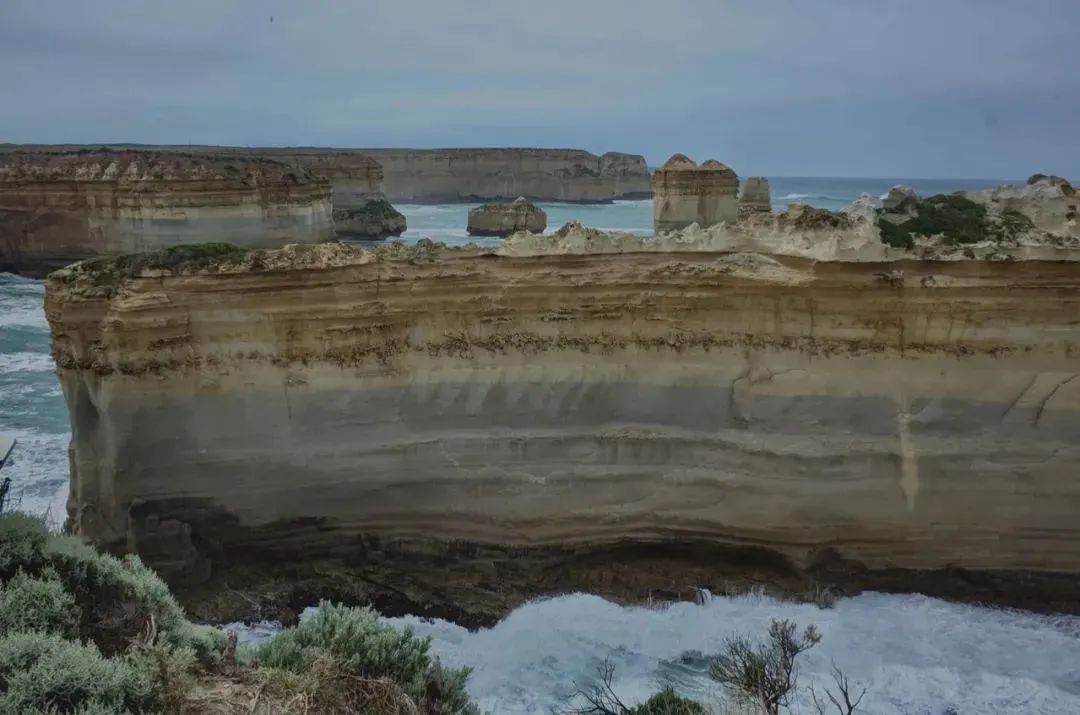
x=301, y=150
x=140, y=166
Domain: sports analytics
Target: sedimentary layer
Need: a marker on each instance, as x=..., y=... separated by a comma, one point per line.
x=59, y=208
x=460, y=430
x=446, y=175
x=439, y=175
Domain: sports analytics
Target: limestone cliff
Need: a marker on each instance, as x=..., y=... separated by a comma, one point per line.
x=445, y=175
x=59, y=208
x=440, y=175
x=685, y=194
x=459, y=430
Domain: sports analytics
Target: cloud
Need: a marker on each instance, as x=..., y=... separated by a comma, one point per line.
x=963, y=87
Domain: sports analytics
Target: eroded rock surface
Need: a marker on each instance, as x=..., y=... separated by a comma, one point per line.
x=371, y=218
x=754, y=196
x=442, y=175
x=685, y=193
x=60, y=208
x=505, y=219
x=456, y=430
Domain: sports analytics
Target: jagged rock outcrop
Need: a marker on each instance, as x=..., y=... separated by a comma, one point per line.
x=442, y=175
x=754, y=197
x=900, y=203
x=460, y=430
x=1066, y=186
x=59, y=208
x=370, y=218
x=685, y=193
x=1049, y=202
x=505, y=219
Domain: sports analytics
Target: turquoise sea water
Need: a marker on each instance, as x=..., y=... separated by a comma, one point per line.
x=919, y=656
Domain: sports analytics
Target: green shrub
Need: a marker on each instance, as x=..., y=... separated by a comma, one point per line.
x=22, y=542
x=110, y=272
x=29, y=603
x=120, y=597
x=668, y=702
x=362, y=646
x=958, y=219
x=40, y=672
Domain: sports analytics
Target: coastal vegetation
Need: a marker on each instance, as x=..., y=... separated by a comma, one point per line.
x=88, y=633
x=957, y=219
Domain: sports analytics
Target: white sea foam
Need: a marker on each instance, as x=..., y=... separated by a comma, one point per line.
x=26, y=362
x=38, y=470
x=914, y=654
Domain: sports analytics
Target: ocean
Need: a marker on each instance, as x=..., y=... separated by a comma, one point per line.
x=917, y=655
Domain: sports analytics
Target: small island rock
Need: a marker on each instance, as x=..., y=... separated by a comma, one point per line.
x=505, y=219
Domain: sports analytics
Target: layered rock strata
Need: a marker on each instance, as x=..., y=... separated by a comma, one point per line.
x=754, y=197
x=685, y=193
x=444, y=175
x=455, y=430
x=505, y=219
x=60, y=208
x=447, y=175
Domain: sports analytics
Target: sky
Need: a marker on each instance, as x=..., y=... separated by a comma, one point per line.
x=861, y=88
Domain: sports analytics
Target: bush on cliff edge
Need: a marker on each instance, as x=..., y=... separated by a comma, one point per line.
x=88, y=633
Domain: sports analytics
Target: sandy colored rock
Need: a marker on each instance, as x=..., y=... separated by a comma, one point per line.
x=754, y=196
x=370, y=218
x=59, y=208
x=505, y=219
x=1052, y=206
x=900, y=201
x=685, y=194
x=474, y=428
x=443, y=175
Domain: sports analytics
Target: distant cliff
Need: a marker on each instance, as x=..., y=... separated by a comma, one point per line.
x=461, y=430
x=446, y=175
x=56, y=208
x=441, y=175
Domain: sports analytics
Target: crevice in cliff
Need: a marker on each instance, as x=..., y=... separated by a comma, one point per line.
x=1046, y=400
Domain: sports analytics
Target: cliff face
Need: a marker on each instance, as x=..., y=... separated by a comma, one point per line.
x=685, y=193
x=454, y=427
x=441, y=175
x=60, y=208
x=438, y=175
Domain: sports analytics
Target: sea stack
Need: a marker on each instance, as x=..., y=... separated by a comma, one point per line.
x=59, y=208
x=754, y=197
x=371, y=218
x=685, y=193
x=505, y=219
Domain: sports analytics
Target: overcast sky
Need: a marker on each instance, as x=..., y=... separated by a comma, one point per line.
x=889, y=88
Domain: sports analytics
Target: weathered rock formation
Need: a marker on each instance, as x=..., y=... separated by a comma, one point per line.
x=754, y=197
x=505, y=219
x=370, y=218
x=685, y=193
x=458, y=430
x=60, y=208
x=1049, y=202
x=901, y=202
x=442, y=175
